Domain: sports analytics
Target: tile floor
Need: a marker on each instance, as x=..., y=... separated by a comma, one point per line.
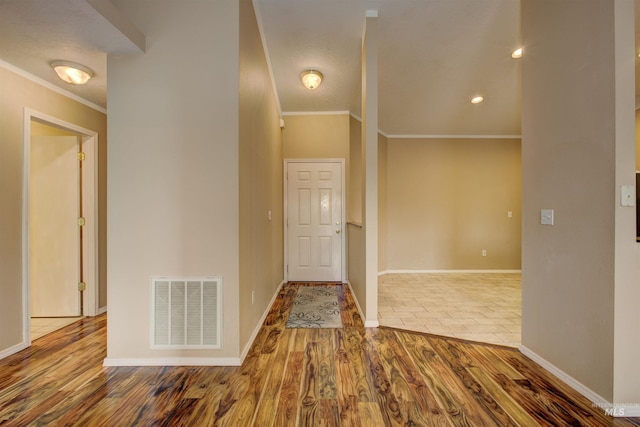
x=41, y=326
x=483, y=307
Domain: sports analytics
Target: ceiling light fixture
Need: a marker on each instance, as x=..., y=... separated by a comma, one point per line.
x=71, y=72
x=517, y=54
x=477, y=100
x=311, y=79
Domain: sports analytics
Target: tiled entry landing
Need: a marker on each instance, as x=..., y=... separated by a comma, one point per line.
x=483, y=307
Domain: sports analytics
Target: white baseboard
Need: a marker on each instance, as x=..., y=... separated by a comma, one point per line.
x=367, y=323
x=611, y=409
x=259, y=325
x=13, y=350
x=102, y=310
x=174, y=361
x=197, y=361
x=382, y=273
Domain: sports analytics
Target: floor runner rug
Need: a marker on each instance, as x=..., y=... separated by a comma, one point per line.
x=315, y=307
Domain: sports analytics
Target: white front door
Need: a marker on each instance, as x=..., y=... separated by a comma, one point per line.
x=314, y=221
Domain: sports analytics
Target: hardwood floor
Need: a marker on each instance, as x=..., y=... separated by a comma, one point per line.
x=292, y=377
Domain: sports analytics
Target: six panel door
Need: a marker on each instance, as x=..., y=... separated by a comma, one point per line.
x=314, y=213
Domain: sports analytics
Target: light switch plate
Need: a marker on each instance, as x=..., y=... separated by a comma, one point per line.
x=627, y=195
x=546, y=217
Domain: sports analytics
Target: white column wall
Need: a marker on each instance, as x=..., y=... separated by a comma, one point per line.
x=173, y=169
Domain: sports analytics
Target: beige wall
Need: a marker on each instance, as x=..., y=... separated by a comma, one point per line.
x=354, y=190
x=173, y=167
x=638, y=140
x=355, y=235
x=382, y=202
x=316, y=136
x=448, y=200
x=18, y=93
x=356, y=262
x=261, y=238
x=577, y=116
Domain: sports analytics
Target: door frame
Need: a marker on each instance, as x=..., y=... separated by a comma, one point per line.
x=90, y=198
x=343, y=270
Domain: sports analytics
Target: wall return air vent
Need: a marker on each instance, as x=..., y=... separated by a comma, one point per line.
x=186, y=312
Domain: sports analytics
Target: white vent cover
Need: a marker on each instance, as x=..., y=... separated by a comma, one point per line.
x=186, y=312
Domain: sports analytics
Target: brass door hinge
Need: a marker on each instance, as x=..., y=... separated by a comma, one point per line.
x=81, y=156
x=82, y=221
x=82, y=286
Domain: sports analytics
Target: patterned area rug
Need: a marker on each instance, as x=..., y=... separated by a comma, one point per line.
x=315, y=307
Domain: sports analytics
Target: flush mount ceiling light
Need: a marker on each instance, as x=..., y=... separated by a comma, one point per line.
x=477, y=100
x=516, y=54
x=311, y=79
x=71, y=72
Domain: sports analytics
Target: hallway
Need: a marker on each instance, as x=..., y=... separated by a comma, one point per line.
x=350, y=376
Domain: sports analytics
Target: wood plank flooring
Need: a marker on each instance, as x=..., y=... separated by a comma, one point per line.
x=292, y=377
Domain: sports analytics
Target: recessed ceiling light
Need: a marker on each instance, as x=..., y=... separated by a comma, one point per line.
x=516, y=54
x=477, y=100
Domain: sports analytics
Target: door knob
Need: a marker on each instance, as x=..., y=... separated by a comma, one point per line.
x=337, y=231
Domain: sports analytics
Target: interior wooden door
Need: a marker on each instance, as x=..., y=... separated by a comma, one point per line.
x=54, y=249
x=314, y=216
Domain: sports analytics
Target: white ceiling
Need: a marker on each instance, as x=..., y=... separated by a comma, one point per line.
x=433, y=56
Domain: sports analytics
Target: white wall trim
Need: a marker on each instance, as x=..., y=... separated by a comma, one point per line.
x=265, y=49
x=102, y=310
x=13, y=350
x=400, y=136
x=382, y=273
x=260, y=323
x=50, y=86
x=454, y=136
x=90, y=138
x=315, y=113
x=367, y=323
x=174, y=361
x=612, y=409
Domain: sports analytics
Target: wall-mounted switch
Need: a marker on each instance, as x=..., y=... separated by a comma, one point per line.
x=627, y=195
x=546, y=217
x=269, y=215
x=509, y=214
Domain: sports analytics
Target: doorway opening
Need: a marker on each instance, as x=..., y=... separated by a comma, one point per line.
x=59, y=224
